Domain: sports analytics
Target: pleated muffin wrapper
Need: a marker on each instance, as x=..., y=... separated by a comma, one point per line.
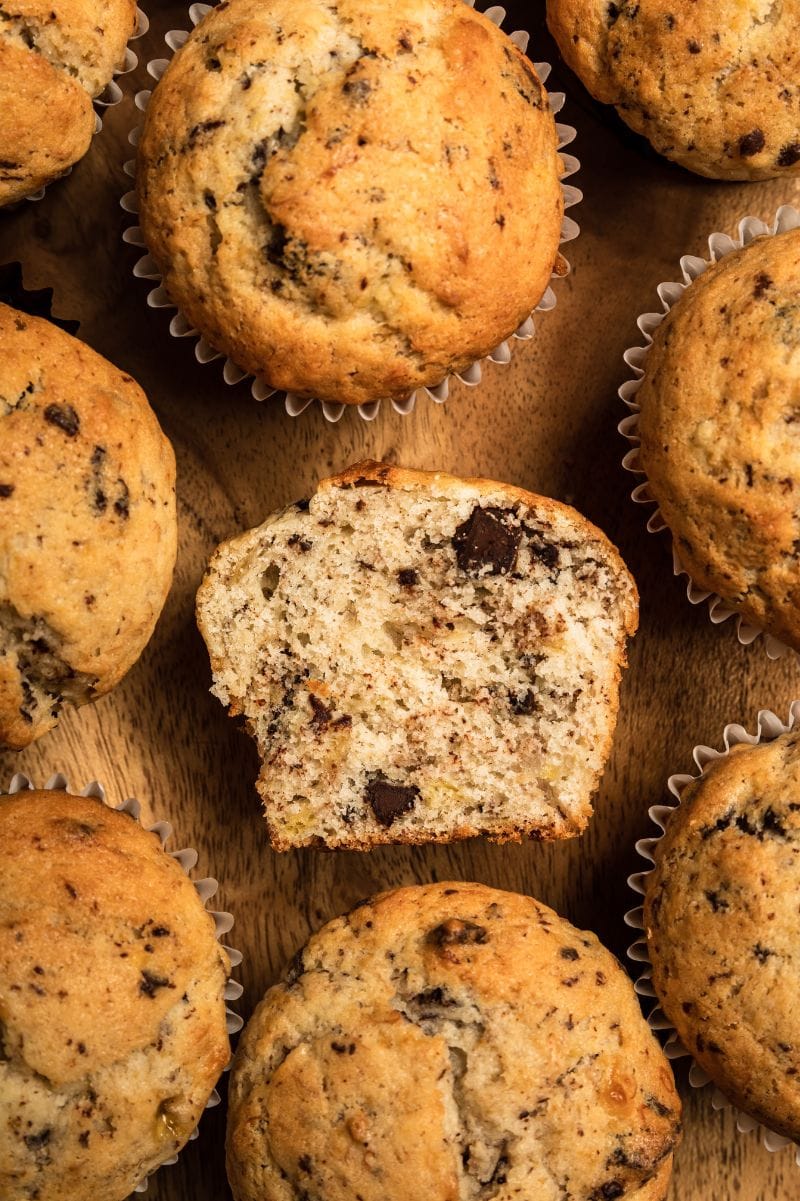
x=180, y=327
x=110, y=96
x=719, y=245
x=768, y=727
x=205, y=888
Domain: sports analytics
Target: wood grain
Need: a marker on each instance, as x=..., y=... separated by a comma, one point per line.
x=546, y=422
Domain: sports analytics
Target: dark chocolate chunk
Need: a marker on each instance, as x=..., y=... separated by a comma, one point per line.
x=407, y=577
x=457, y=932
x=568, y=953
x=357, y=90
x=751, y=143
x=789, y=155
x=389, y=801
x=65, y=417
x=149, y=984
x=203, y=127
x=693, y=47
x=321, y=712
x=210, y=200
x=5, y=491
x=608, y=1191
x=523, y=702
x=762, y=284
x=122, y=503
x=34, y=1142
x=487, y=539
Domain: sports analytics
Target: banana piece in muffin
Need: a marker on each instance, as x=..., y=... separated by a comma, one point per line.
x=451, y=1042
x=421, y=658
x=351, y=199
x=55, y=57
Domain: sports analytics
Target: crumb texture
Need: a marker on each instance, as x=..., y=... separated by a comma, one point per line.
x=720, y=431
x=55, y=56
x=88, y=529
x=334, y=190
x=714, y=87
x=421, y=658
x=112, y=1018
x=721, y=920
x=454, y=1042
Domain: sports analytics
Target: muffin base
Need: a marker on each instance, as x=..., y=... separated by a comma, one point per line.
x=205, y=888
x=180, y=327
x=719, y=244
x=768, y=727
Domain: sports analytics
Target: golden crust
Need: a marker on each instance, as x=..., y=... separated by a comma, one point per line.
x=88, y=529
x=111, y=998
x=719, y=405
x=445, y=1035
x=714, y=87
x=55, y=56
x=721, y=920
x=342, y=224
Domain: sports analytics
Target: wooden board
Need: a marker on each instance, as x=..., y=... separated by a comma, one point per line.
x=547, y=422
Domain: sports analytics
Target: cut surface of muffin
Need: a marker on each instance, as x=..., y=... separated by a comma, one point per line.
x=452, y=1042
x=421, y=658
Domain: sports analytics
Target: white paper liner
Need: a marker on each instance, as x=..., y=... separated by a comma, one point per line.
x=719, y=246
x=206, y=889
x=768, y=727
x=180, y=327
x=109, y=97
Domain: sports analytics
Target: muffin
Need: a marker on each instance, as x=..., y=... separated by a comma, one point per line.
x=113, y=1019
x=448, y=1041
x=88, y=529
x=55, y=57
x=719, y=402
x=351, y=202
x=714, y=87
x=421, y=658
x=720, y=915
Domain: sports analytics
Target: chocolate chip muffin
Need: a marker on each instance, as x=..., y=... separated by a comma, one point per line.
x=88, y=529
x=55, y=57
x=721, y=919
x=719, y=405
x=451, y=1041
x=713, y=86
x=351, y=202
x=421, y=658
x=111, y=985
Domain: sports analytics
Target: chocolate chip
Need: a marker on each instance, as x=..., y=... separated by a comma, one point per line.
x=487, y=539
x=210, y=200
x=751, y=143
x=763, y=282
x=35, y=1141
x=789, y=155
x=357, y=90
x=693, y=47
x=389, y=801
x=149, y=984
x=761, y=953
x=203, y=127
x=65, y=417
x=407, y=577
x=122, y=503
x=568, y=953
x=457, y=932
x=5, y=491
x=213, y=64
x=523, y=703
x=608, y=1191
x=321, y=712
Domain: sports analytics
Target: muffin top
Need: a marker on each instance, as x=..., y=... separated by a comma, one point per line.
x=351, y=199
x=450, y=1041
x=721, y=919
x=713, y=86
x=55, y=55
x=111, y=997
x=88, y=529
x=720, y=431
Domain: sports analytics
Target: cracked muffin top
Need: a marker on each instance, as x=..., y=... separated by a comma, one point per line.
x=721, y=919
x=55, y=56
x=351, y=199
x=454, y=1042
x=112, y=1017
x=713, y=86
x=719, y=429
x=88, y=530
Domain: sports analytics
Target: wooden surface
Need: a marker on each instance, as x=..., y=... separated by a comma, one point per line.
x=546, y=422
